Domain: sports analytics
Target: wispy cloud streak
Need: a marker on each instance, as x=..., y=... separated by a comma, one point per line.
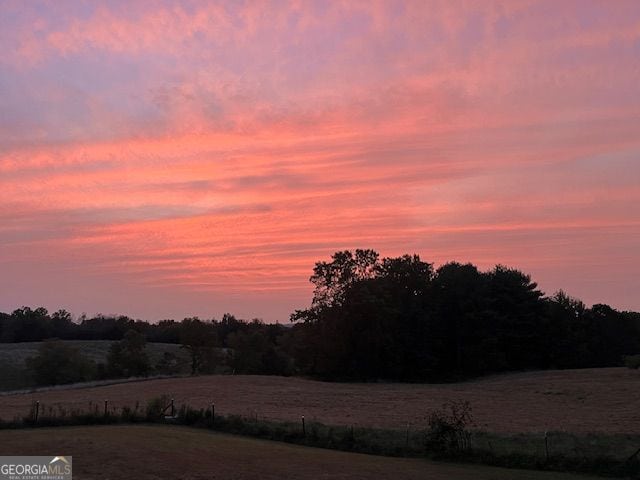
x=165, y=158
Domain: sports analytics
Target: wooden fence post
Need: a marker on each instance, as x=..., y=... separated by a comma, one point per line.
x=213, y=414
x=172, y=409
x=106, y=411
x=36, y=411
x=304, y=432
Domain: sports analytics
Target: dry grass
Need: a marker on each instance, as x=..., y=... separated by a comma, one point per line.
x=152, y=452
x=578, y=401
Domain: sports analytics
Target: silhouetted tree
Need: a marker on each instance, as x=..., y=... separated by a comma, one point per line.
x=199, y=339
x=128, y=357
x=30, y=325
x=461, y=340
x=59, y=363
x=518, y=312
x=332, y=280
x=168, y=364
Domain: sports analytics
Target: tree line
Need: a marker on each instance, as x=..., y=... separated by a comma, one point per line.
x=370, y=318
x=399, y=318
x=228, y=345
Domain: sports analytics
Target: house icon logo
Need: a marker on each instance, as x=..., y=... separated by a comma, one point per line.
x=59, y=468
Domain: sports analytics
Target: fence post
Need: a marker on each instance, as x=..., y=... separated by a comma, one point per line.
x=213, y=414
x=36, y=411
x=304, y=432
x=172, y=409
x=106, y=411
x=407, y=442
x=546, y=445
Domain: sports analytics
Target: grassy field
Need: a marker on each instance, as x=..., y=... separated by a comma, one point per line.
x=577, y=401
x=151, y=452
x=14, y=374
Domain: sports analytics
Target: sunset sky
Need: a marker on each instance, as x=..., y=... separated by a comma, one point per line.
x=169, y=159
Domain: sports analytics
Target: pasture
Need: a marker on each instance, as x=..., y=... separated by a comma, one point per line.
x=14, y=374
x=150, y=452
x=576, y=401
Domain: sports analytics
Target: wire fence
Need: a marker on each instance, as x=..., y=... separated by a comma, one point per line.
x=410, y=436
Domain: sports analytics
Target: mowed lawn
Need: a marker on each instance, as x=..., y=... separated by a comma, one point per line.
x=577, y=401
x=155, y=452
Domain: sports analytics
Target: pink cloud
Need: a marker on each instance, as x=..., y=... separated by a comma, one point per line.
x=217, y=151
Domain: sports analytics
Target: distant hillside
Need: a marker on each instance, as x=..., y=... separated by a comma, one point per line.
x=14, y=374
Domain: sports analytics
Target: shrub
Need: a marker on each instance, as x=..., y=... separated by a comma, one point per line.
x=632, y=361
x=58, y=363
x=168, y=364
x=128, y=357
x=191, y=416
x=448, y=428
x=156, y=407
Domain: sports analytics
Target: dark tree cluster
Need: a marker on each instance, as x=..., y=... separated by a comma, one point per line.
x=398, y=318
x=59, y=363
x=33, y=325
x=370, y=318
x=128, y=357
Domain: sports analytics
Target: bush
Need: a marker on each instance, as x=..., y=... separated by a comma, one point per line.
x=168, y=364
x=128, y=357
x=58, y=363
x=192, y=416
x=632, y=361
x=448, y=428
x=156, y=407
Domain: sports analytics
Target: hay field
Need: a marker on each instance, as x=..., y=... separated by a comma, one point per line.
x=152, y=452
x=577, y=401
